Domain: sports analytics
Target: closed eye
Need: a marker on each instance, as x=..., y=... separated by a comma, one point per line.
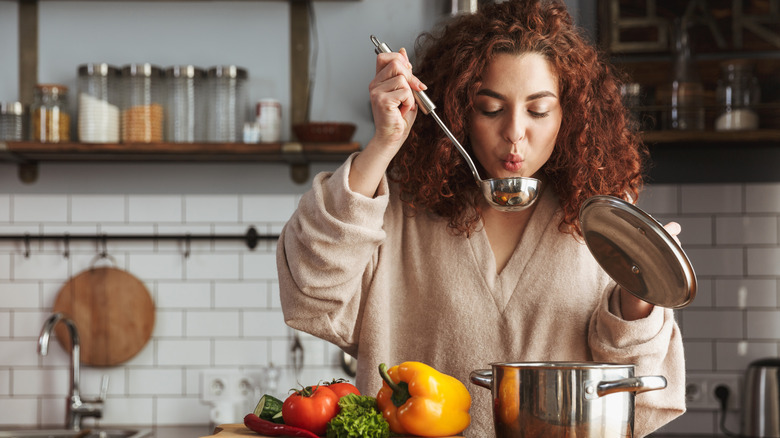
x=491, y=113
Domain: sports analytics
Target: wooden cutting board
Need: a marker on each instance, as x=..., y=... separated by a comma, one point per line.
x=231, y=430
x=113, y=312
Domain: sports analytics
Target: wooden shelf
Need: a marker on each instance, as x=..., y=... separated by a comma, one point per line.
x=29, y=151
x=28, y=154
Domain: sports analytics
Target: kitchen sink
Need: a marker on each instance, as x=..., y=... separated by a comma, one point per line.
x=84, y=433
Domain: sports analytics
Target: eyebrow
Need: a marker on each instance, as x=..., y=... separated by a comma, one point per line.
x=490, y=93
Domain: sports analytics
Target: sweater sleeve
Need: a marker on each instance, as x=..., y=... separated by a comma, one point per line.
x=324, y=256
x=654, y=345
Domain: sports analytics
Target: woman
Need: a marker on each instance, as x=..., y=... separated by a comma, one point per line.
x=396, y=256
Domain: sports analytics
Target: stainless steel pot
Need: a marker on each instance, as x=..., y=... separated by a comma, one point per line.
x=564, y=399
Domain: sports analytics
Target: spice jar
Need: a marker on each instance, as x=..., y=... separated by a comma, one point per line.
x=227, y=105
x=185, y=120
x=49, y=118
x=98, y=106
x=142, y=108
x=11, y=121
x=737, y=94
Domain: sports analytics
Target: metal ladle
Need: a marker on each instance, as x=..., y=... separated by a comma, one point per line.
x=505, y=194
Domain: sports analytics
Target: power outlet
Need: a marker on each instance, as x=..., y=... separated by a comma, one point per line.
x=226, y=386
x=700, y=391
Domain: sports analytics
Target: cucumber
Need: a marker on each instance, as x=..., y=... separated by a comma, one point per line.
x=268, y=407
x=278, y=418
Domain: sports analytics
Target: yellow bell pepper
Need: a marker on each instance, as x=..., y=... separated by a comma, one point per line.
x=416, y=399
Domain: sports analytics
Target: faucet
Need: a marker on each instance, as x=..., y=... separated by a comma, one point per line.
x=76, y=408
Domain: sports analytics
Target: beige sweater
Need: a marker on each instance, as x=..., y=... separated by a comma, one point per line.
x=388, y=287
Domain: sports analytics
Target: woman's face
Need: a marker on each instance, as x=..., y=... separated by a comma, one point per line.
x=516, y=116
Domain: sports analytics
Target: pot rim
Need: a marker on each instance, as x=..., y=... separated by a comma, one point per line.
x=562, y=365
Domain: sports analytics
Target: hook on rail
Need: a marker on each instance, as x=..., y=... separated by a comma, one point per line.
x=187, y=238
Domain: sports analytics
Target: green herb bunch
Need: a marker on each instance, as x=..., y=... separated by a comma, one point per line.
x=358, y=418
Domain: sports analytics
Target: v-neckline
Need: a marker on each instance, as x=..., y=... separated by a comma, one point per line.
x=502, y=285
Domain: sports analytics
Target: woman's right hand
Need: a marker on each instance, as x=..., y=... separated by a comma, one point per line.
x=394, y=109
x=392, y=99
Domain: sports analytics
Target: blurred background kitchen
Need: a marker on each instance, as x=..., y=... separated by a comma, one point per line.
x=219, y=340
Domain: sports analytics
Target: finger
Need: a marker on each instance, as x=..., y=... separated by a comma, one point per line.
x=383, y=59
x=408, y=104
x=393, y=64
x=406, y=56
x=400, y=99
x=673, y=228
x=395, y=83
x=414, y=82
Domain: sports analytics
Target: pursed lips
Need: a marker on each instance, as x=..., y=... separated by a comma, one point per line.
x=512, y=162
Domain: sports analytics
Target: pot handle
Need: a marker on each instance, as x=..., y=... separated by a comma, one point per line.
x=631, y=384
x=483, y=378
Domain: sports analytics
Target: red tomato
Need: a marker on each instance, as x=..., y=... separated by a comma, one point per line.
x=311, y=408
x=341, y=387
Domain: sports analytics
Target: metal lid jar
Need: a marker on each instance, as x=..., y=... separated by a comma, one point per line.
x=737, y=94
x=49, y=117
x=142, y=103
x=98, y=103
x=11, y=121
x=227, y=103
x=185, y=117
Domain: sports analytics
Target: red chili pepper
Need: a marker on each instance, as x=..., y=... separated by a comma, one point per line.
x=269, y=428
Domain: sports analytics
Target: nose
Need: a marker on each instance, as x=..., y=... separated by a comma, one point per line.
x=515, y=128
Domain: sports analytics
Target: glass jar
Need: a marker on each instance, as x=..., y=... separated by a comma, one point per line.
x=686, y=102
x=11, y=121
x=185, y=118
x=269, y=120
x=227, y=104
x=737, y=94
x=49, y=117
x=142, y=103
x=98, y=105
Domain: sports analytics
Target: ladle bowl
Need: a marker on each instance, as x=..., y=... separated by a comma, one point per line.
x=510, y=194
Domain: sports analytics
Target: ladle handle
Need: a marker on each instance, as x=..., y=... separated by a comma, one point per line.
x=426, y=104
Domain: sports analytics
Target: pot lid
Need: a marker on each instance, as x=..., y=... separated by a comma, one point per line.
x=637, y=252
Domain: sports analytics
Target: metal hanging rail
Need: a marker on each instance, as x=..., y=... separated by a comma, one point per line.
x=251, y=238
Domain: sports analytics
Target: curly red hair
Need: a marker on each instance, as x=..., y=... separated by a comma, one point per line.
x=596, y=151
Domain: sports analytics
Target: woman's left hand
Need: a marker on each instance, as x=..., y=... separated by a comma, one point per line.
x=634, y=308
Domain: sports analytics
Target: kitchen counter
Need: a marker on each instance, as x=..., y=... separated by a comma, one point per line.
x=205, y=430
x=182, y=431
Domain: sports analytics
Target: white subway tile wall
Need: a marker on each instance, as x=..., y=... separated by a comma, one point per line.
x=217, y=303
x=218, y=308
x=730, y=233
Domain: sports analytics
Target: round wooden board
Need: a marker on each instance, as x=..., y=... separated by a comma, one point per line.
x=113, y=312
